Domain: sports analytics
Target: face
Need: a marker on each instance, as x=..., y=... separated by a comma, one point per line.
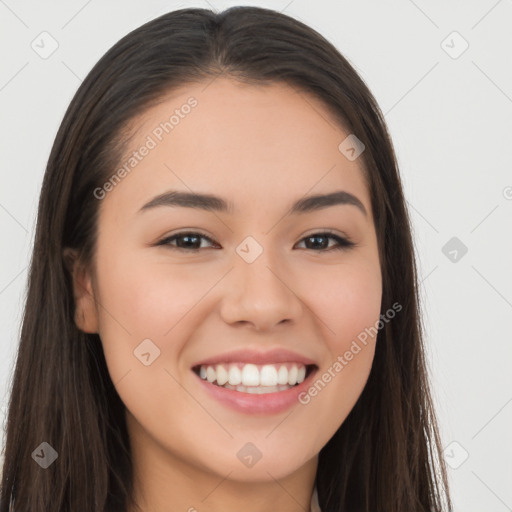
x=245, y=290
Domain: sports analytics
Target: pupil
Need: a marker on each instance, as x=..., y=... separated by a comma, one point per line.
x=317, y=238
x=187, y=237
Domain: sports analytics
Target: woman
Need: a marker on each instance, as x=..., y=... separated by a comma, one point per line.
x=222, y=308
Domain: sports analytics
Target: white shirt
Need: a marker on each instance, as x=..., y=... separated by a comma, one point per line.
x=315, y=507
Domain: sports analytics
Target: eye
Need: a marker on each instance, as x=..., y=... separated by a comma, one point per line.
x=185, y=241
x=315, y=240
x=190, y=241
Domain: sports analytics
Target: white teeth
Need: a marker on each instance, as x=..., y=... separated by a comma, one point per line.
x=235, y=375
x=211, y=375
x=251, y=378
x=292, y=375
x=258, y=390
x=222, y=375
x=250, y=375
x=282, y=375
x=268, y=376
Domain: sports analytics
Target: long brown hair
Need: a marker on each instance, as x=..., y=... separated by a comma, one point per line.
x=385, y=456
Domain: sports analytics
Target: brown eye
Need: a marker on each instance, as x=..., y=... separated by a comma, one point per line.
x=317, y=242
x=191, y=241
x=185, y=241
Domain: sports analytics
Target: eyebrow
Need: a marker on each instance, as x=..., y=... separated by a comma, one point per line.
x=211, y=202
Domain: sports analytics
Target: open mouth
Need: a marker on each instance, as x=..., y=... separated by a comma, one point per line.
x=253, y=378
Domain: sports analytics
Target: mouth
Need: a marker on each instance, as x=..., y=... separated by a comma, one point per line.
x=256, y=379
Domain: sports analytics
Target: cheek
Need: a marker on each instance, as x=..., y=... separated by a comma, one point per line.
x=143, y=300
x=348, y=305
x=347, y=300
x=149, y=299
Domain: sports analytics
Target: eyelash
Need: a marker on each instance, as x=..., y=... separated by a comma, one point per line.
x=343, y=242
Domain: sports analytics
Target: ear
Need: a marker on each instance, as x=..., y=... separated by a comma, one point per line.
x=86, y=315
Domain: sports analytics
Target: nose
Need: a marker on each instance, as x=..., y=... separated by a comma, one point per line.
x=261, y=295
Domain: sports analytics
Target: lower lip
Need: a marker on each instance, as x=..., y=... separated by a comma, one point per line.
x=268, y=403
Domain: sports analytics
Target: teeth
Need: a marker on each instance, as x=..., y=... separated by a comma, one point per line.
x=250, y=375
x=282, y=375
x=235, y=375
x=259, y=390
x=301, y=374
x=292, y=375
x=268, y=376
x=222, y=375
x=211, y=375
x=251, y=378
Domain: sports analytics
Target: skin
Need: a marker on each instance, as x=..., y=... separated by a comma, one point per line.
x=262, y=147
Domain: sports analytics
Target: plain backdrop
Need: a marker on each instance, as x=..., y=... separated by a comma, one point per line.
x=442, y=74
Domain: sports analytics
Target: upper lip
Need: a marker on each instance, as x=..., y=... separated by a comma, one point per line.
x=277, y=355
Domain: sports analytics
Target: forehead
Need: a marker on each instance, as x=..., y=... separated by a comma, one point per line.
x=253, y=144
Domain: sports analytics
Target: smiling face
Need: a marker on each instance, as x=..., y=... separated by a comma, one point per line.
x=177, y=284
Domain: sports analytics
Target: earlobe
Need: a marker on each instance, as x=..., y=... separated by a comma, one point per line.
x=86, y=315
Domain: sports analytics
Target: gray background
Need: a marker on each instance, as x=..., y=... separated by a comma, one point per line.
x=450, y=116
